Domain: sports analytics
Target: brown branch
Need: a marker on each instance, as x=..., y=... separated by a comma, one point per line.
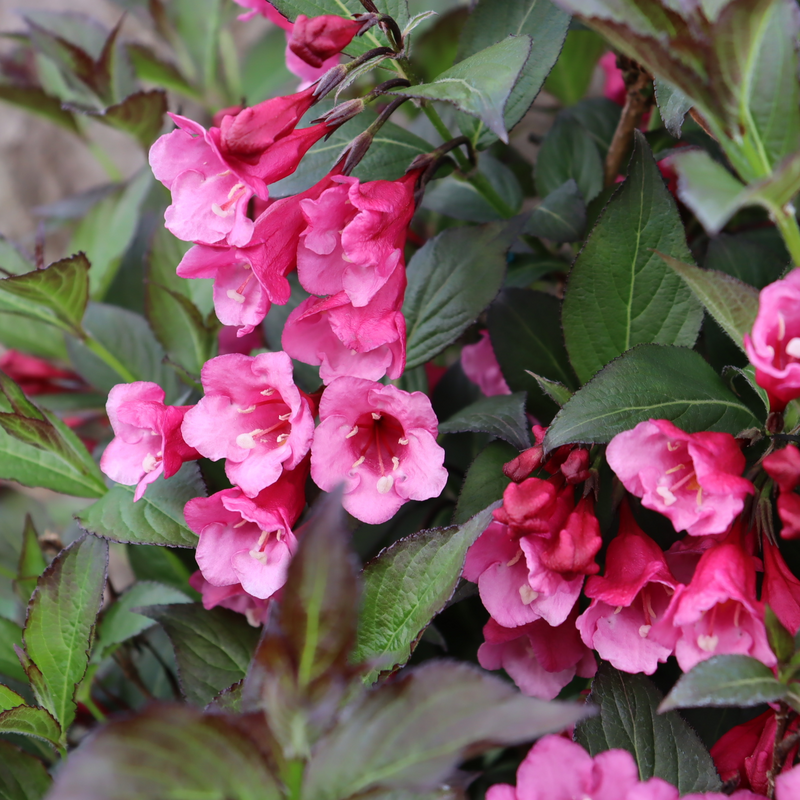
x=778, y=756
x=639, y=99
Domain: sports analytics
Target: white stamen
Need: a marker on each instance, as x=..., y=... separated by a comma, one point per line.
x=708, y=643
x=395, y=462
x=149, y=463
x=617, y=609
x=352, y=433
x=278, y=535
x=282, y=438
x=345, y=258
x=699, y=496
x=262, y=539
x=376, y=415
x=249, y=410
x=223, y=174
x=239, y=524
x=219, y=212
x=251, y=615
x=246, y=441
x=666, y=495
x=259, y=555
x=284, y=417
x=527, y=595
x=354, y=352
x=385, y=483
x=235, y=188
x=235, y=296
x=673, y=446
x=267, y=392
x=675, y=469
x=516, y=558
x=781, y=327
x=644, y=630
x=793, y=347
x=359, y=462
x=402, y=441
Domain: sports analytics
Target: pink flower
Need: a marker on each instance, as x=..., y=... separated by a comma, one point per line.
x=253, y=416
x=634, y=592
x=787, y=785
x=691, y=478
x=147, y=436
x=614, y=88
x=773, y=346
x=315, y=40
x=36, y=376
x=381, y=442
x=539, y=658
x=781, y=589
x=355, y=236
x=249, y=541
x=717, y=613
x=480, y=366
x=367, y=342
x=233, y=597
x=266, y=9
x=783, y=466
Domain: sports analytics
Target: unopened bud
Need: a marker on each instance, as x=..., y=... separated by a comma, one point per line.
x=330, y=80
x=519, y=468
x=343, y=112
x=576, y=468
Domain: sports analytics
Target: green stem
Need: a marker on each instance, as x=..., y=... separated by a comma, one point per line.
x=294, y=778
x=108, y=358
x=93, y=709
x=787, y=225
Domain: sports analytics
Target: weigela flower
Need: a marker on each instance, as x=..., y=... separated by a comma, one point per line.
x=569, y=460
x=634, y=592
x=381, y=442
x=249, y=541
x=233, y=597
x=344, y=341
x=147, y=436
x=694, y=479
x=480, y=365
x=355, y=236
x=717, y=613
x=36, y=376
x=253, y=416
x=317, y=39
x=783, y=466
x=265, y=9
x=539, y=658
x=773, y=346
x=781, y=589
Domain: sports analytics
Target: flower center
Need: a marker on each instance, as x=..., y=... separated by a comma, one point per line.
x=685, y=477
x=378, y=442
x=237, y=295
x=227, y=208
x=259, y=551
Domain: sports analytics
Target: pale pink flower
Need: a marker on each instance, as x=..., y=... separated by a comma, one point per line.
x=694, y=479
x=253, y=416
x=773, y=346
x=233, y=597
x=381, y=442
x=147, y=436
x=634, y=592
x=480, y=365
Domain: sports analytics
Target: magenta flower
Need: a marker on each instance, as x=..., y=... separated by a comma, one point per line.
x=355, y=237
x=249, y=541
x=345, y=341
x=773, y=346
x=781, y=589
x=539, y=658
x=315, y=40
x=783, y=466
x=694, y=479
x=265, y=9
x=381, y=442
x=480, y=365
x=253, y=416
x=632, y=595
x=147, y=436
x=233, y=597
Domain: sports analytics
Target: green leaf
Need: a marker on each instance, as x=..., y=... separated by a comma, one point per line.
x=157, y=518
x=105, y=233
x=556, y=391
x=61, y=619
x=561, y=216
x=525, y=329
x=169, y=750
x=411, y=733
x=479, y=85
x=32, y=562
x=673, y=105
x=162, y=565
x=490, y=22
x=502, y=416
x=10, y=637
x=37, y=101
x=212, y=648
x=757, y=258
x=128, y=337
x=569, y=152
x=484, y=482
x=725, y=681
x=450, y=281
x=22, y=777
x=662, y=744
x=56, y=295
x=600, y=117
x=620, y=293
x=406, y=586
x=9, y=699
x=731, y=303
x=153, y=69
x=120, y=622
x=650, y=382
x=27, y=721
x=572, y=73
x=781, y=642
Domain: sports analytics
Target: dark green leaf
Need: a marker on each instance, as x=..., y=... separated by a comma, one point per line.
x=573, y=71
x=751, y=257
x=37, y=101
x=10, y=637
x=212, y=648
x=167, y=751
x=673, y=105
x=725, y=681
x=406, y=586
x=450, y=281
x=411, y=733
x=502, y=416
x=600, y=117
x=662, y=744
x=153, y=69
x=27, y=721
x=22, y=777
x=650, y=382
x=620, y=293
x=556, y=391
x=157, y=518
x=780, y=640
x=32, y=562
x=61, y=619
x=140, y=115
x=485, y=481
x=561, y=216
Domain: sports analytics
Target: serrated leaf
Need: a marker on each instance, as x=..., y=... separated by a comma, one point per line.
x=730, y=680
x=572, y=73
x=481, y=84
x=37, y=101
x=120, y=622
x=484, y=482
x=502, y=416
x=662, y=744
x=10, y=637
x=61, y=619
x=157, y=518
x=673, y=105
x=9, y=699
x=27, y=721
x=650, y=382
x=56, y=295
x=212, y=648
x=561, y=216
x=22, y=776
x=450, y=281
x=732, y=303
x=405, y=586
x=168, y=750
x=411, y=733
x=556, y=391
x=620, y=293
x=140, y=115
x=31, y=564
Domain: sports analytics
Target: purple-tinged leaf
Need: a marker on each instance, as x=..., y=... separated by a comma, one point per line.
x=22, y=776
x=38, y=101
x=27, y=721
